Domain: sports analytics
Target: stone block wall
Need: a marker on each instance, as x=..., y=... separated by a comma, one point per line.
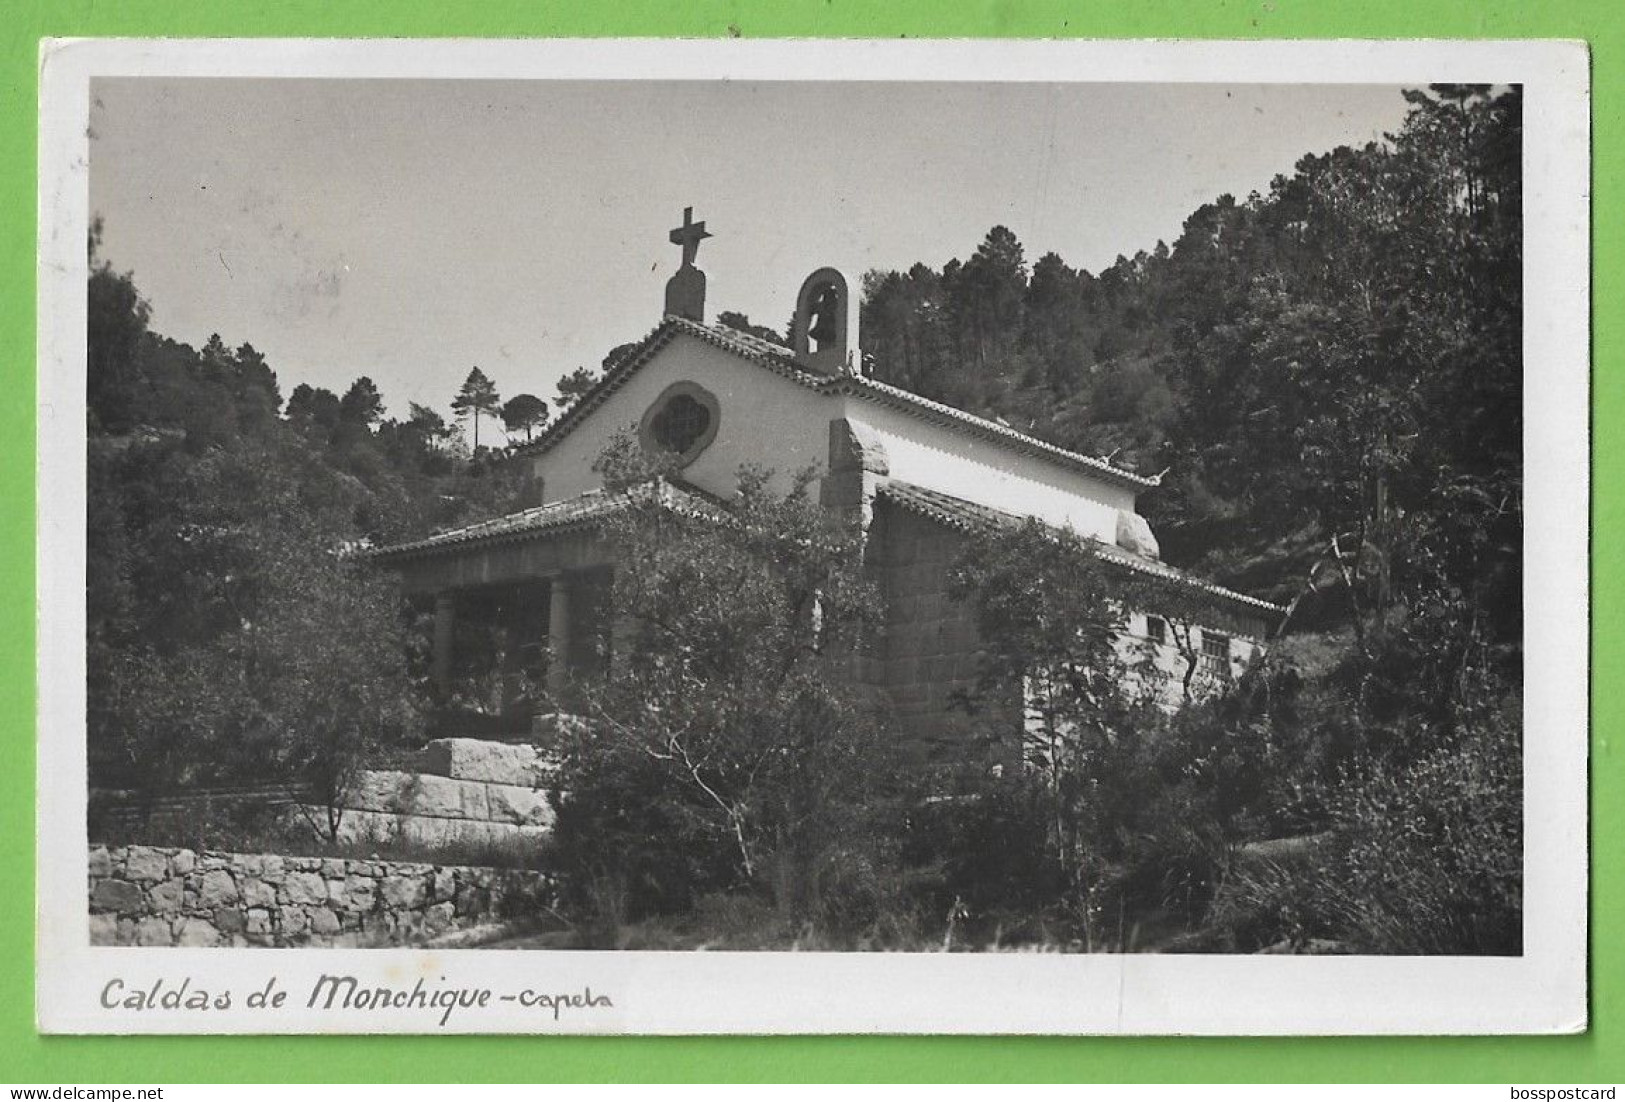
x=152, y=895
x=931, y=647
x=465, y=792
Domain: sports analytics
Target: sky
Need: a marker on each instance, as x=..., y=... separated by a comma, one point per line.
x=410, y=230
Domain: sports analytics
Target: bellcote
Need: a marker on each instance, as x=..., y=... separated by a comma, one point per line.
x=824, y=332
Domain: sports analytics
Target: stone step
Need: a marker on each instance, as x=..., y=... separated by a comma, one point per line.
x=376, y=827
x=468, y=759
x=393, y=792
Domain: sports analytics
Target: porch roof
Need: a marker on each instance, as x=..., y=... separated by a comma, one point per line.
x=570, y=514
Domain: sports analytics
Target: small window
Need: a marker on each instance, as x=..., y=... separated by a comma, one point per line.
x=681, y=422
x=1156, y=629
x=1215, y=654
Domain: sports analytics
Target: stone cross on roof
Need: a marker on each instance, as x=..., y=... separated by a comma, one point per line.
x=689, y=235
x=685, y=290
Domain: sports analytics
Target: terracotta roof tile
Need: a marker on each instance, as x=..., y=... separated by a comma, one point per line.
x=967, y=516
x=575, y=512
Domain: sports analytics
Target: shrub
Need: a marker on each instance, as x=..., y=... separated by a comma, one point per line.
x=991, y=856
x=728, y=750
x=1422, y=858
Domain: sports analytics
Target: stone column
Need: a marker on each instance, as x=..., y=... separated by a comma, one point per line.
x=558, y=633
x=445, y=619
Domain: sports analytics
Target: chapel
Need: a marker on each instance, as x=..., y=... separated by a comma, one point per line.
x=920, y=477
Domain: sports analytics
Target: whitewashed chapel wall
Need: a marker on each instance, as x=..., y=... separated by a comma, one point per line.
x=766, y=420
x=952, y=461
x=1162, y=665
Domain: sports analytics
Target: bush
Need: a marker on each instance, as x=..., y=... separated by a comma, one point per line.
x=990, y=856
x=627, y=843
x=1422, y=858
x=234, y=635
x=728, y=751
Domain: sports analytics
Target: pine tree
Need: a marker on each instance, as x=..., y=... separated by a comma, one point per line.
x=524, y=412
x=362, y=404
x=572, y=386
x=479, y=395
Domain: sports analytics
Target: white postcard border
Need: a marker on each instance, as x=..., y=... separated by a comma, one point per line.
x=659, y=992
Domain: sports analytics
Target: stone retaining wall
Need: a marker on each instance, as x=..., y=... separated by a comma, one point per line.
x=151, y=895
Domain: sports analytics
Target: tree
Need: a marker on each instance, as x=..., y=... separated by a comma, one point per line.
x=329, y=658
x=118, y=321
x=425, y=431
x=237, y=637
x=116, y=329
x=261, y=398
x=905, y=330
x=986, y=297
x=216, y=556
x=735, y=320
x=1051, y=619
x=313, y=408
x=1358, y=391
x=431, y=424
x=362, y=404
x=478, y=396
x=727, y=752
x=572, y=386
x=524, y=412
x=1348, y=396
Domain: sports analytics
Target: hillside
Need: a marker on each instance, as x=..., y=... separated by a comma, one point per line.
x=1326, y=359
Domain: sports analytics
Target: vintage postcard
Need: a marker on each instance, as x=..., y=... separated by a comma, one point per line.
x=768, y=537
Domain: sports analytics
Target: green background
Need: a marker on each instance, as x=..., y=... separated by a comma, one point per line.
x=26, y=1057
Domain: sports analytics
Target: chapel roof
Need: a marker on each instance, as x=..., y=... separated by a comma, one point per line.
x=967, y=516
x=781, y=361
x=592, y=507
x=581, y=511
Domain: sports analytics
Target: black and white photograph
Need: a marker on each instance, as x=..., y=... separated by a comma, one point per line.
x=1057, y=527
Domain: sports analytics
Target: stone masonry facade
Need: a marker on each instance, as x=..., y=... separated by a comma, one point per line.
x=152, y=895
x=930, y=649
